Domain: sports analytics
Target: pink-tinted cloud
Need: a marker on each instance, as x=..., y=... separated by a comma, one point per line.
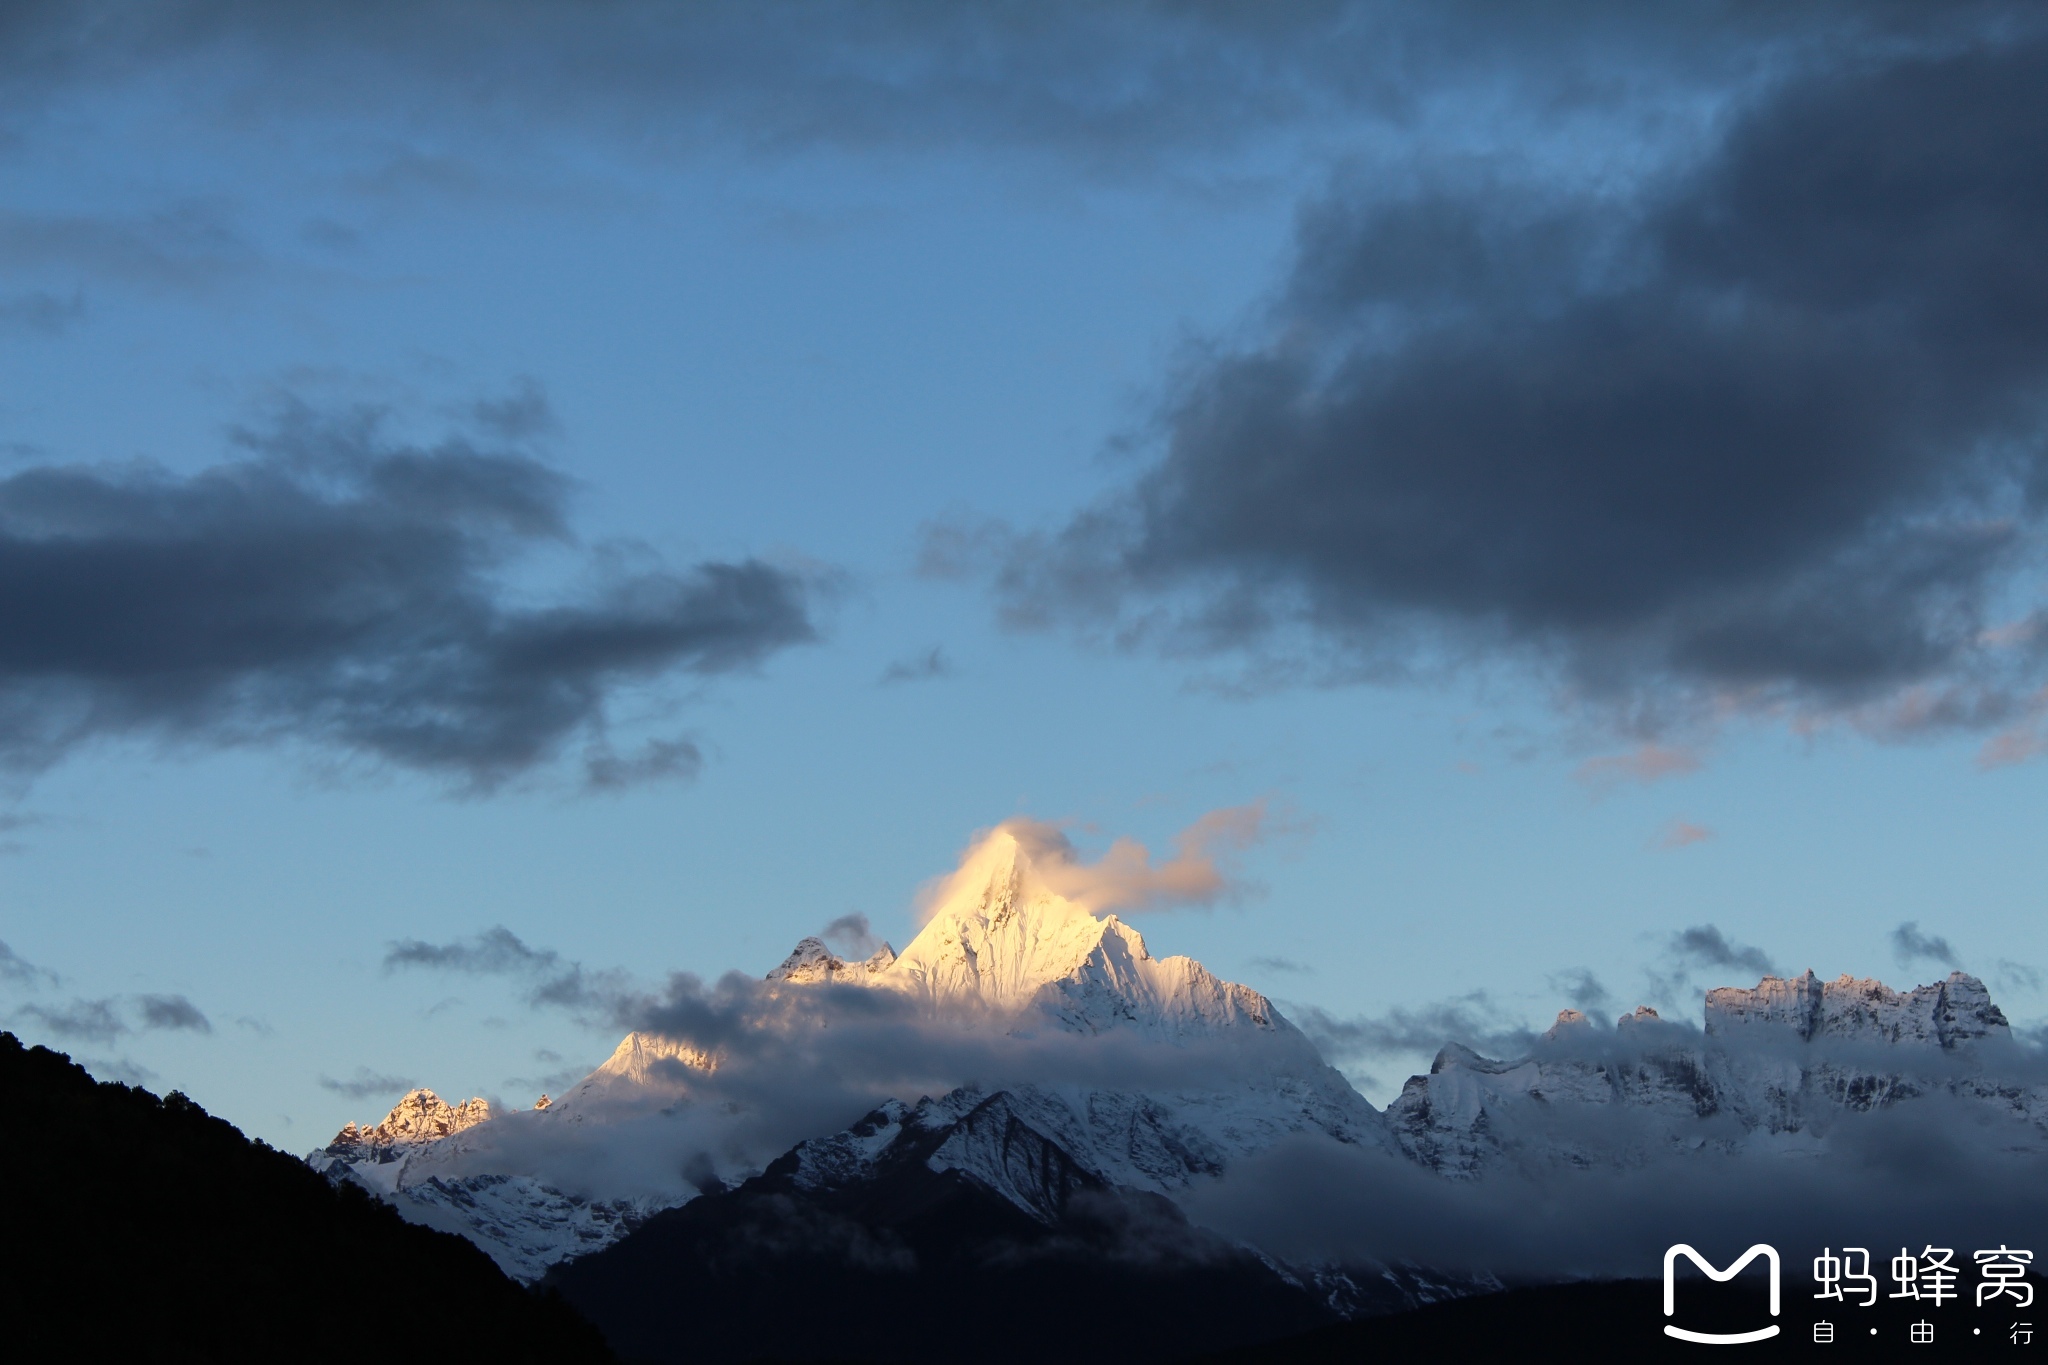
x=1646, y=763
x=2014, y=745
x=1681, y=833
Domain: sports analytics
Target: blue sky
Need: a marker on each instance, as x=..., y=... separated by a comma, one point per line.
x=775, y=318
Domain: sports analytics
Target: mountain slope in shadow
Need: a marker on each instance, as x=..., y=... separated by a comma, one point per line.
x=907, y=1263
x=144, y=1228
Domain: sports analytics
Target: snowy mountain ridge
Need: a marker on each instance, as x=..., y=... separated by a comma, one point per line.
x=1946, y=1014
x=1210, y=1074
x=1775, y=1068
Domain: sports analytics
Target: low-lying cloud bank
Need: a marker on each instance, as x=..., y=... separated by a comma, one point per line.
x=795, y=1061
x=1923, y=1173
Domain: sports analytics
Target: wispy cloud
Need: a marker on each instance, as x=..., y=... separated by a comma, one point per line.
x=109, y=1017
x=1909, y=945
x=1583, y=989
x=549, y=979
x=41, y=313
x=1646, y=763
x=172, y=1012
x=1704, y=945
x=658, y=760
x=852, y=935
x=19, y=971
x=120, y=1069
x=2017, y=976
x=922, y=668
x=1683, y=834
x=1473, y=1020
x=367, y=1084
x=87, y=1020
x=190, y=245
x=1704, y=951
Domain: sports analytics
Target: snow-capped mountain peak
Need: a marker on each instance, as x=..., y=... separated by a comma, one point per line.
x=812, y=961
x=996, y=935
x=1000, y=940
x=645, y=1071
x=421, y=1117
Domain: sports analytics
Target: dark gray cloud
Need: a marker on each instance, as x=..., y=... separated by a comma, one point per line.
x=852, y=935
x=1108, y=83
x=551, y=1083
x=1702, y=950
x=107, y=1018
x=1764, y=426
x=119, y=1069
x=18, y=970
x=1583, y=989
x=343, y=588
x=658, y=760
x=1705, y=946
x=1281, y=964
x=921, y=668
x=367, y=1084
x=2017, y=976
x=1473, y=1020
x=171, y=1012
x=1909, y=945
x=548, y=978
x=9, y=824
x=87, y=1020
x=185, y=246
x=41, y=313
x=495, y=951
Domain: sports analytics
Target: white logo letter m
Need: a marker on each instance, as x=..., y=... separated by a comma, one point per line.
x=1719, y=1276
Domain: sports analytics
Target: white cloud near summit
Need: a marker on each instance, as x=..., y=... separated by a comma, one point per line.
x=1125, y=878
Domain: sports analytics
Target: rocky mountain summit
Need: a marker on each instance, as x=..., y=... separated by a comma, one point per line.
x=421, y=1117
x=1946, y=1015
x=812, y=961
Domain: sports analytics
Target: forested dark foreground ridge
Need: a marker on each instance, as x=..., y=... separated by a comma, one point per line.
x=145, y=1228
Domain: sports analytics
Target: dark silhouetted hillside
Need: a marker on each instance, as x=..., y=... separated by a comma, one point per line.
x=925, y=1266
x=133, y=1227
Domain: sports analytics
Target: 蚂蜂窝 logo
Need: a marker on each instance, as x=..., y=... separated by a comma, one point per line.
x=1671, y=1256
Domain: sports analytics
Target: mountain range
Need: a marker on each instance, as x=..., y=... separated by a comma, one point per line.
x=1107, y=1090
